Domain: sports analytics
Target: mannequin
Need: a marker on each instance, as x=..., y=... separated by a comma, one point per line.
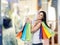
x=51, y=18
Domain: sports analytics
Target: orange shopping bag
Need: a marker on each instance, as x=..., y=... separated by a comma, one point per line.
x=43, y=33
x=48, y=31
x=19, y=35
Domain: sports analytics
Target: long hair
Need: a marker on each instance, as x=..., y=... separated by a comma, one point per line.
x=44, y=17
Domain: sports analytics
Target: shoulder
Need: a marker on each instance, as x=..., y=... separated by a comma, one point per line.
x=39, y=23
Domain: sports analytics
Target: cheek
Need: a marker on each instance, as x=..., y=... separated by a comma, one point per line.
x=41, y=17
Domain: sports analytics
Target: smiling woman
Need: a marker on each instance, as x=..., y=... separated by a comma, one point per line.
x=17, y=11
x=36, y=28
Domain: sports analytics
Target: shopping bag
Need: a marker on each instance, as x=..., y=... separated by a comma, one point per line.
x=47, y=33
x=44, y=34
x=19, y=35
x=48, y=29
x=40, y=35
x=24, y=33
x=28, y=32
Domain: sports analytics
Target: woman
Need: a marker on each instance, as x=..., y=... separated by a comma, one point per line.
x=41, y=17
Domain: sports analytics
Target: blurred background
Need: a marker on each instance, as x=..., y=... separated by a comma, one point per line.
x=18, y=10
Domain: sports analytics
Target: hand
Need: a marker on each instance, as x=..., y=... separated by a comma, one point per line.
x=29, y=20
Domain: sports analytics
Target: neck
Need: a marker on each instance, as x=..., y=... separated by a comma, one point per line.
x=38, y=20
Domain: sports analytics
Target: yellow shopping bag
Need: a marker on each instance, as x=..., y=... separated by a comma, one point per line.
x=48, y=32
x=48, y=29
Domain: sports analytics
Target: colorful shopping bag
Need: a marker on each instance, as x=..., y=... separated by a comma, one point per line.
x=48, y=29
x=48, y=32
x=24, y=33
x=40, y=35
x=19, y=35
x=44, y=34
x=28, y=32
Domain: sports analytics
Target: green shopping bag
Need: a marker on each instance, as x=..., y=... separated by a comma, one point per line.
x=48, y=29
x=28, y=32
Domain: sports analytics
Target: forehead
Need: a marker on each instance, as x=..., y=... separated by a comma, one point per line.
x=41, y=13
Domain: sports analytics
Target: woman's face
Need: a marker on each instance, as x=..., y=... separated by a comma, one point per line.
x=40, y=16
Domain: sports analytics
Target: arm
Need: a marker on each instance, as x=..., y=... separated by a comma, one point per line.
x=35, y=28
x=36, y=22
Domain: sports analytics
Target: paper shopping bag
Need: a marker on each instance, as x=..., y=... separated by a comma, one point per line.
x=48, y=29
x=47, y=33
x=28, y=32
x=44, y=34
x=40, y=35
x=24, y=33
x=19, y=35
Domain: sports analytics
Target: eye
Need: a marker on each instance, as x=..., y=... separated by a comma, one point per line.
x=41, y=15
